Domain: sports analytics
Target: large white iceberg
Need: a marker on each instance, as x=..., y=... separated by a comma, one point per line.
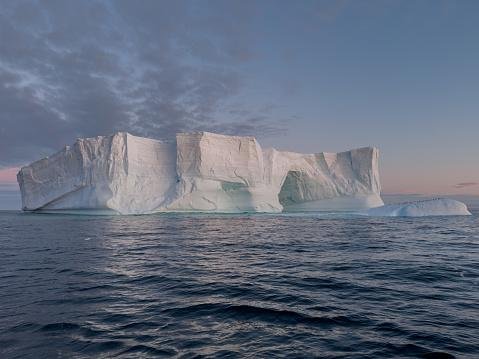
x=429, y=207
x=198, y=172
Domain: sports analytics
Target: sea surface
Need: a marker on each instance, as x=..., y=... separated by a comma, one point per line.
x=228, y=286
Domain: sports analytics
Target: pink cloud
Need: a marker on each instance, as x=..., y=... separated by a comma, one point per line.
x=8, y=175
x=465, y=184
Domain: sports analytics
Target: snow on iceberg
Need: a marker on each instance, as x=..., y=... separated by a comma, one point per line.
x=197, y=172
x=429, y=207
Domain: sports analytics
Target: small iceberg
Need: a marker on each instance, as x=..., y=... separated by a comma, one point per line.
x=428, y=207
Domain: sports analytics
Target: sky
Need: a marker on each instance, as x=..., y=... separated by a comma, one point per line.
x=307, y=76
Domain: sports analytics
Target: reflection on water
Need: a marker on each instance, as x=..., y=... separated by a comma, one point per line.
x=231, y=285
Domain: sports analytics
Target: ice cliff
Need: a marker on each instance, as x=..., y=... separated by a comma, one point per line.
x=198, y=172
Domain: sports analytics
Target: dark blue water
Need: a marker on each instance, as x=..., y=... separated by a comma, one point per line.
x=238, y=286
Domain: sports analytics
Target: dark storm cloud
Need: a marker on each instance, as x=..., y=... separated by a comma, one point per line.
x=466, y=184
x=77, y=68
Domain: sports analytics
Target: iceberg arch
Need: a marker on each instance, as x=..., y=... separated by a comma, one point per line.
x=294, y=190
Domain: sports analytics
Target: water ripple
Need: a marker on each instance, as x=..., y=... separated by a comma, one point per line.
x=238, y=286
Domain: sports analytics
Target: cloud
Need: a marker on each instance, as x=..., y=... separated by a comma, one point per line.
x=72, y=68
x=466, y=184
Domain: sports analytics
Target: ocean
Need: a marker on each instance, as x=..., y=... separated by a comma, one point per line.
x=230, y=286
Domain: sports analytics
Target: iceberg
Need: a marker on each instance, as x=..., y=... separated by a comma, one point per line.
x=429, y=207
x=197, y=172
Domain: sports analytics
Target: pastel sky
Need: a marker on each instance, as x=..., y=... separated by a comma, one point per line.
x=300, y=75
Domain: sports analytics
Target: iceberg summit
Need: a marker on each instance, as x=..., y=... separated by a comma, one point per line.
x=197, y=172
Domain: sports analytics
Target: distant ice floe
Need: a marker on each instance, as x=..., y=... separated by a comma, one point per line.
x=429, y=207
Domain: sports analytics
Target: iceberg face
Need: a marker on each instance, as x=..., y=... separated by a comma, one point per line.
x=198, y=172
x=124, y=173
x=431, y=207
